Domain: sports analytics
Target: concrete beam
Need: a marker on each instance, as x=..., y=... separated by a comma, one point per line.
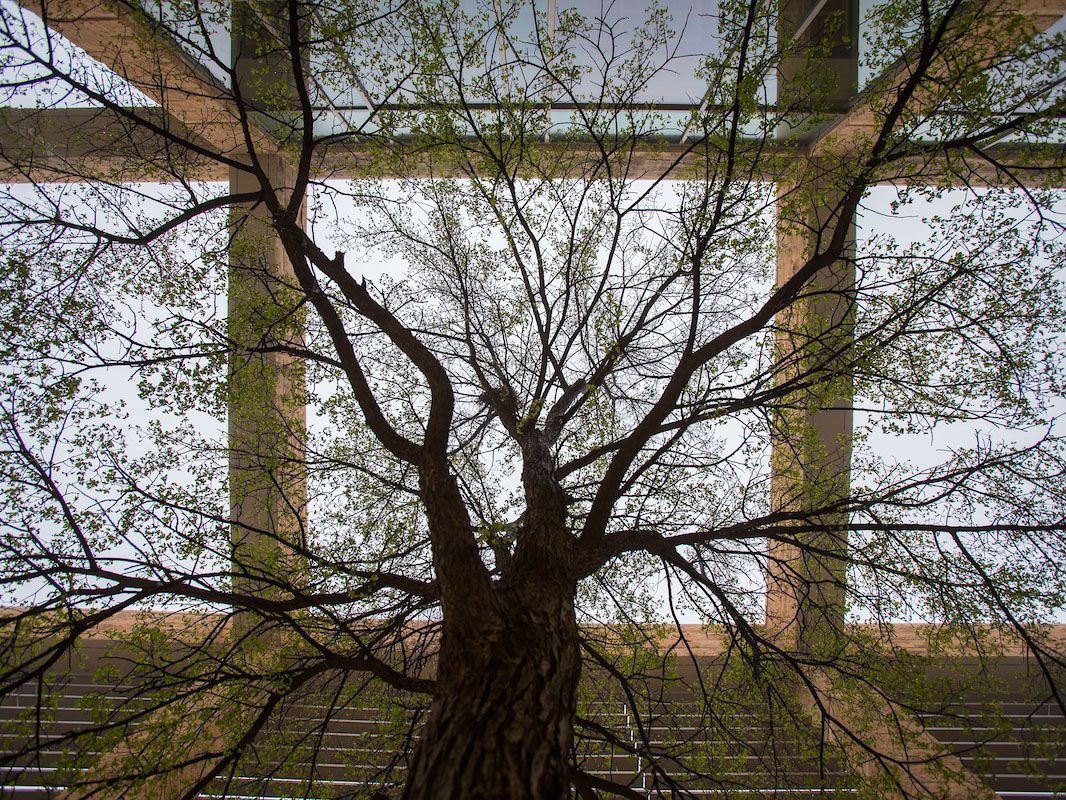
x=981, y=44
x=920, y=639
x=124, y=40
x=76, y=145
x=638, y=160
x=811, y=440
x=1007, y=165
x=84, y=144
x=267, y=416
x=267, y=432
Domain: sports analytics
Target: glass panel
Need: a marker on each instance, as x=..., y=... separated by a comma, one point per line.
x=671, y=43
x=871, y=60
x=334, y=123
x=651, y=124
x=497, y=48
x=663, y=125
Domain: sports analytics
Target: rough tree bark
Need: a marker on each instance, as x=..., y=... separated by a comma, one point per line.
x=502, y=719
x=503, y=711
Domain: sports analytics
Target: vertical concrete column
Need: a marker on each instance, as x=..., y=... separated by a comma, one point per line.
x=267, y=416
x=811, y=441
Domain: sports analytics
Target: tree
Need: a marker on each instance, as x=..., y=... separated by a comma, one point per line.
x=549, y=416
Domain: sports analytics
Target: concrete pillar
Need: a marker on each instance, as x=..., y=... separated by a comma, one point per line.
x=811, y=441
x=267, y=416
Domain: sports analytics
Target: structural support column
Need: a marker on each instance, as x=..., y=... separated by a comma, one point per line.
x=811, y=458
x=267, y=416
x=181, y=743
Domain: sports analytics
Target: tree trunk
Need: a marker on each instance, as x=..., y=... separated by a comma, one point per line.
x=501, y=725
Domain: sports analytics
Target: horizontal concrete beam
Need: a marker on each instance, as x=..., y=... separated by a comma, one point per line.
x=916, y=638
x=76, y=145
x=126, y=42
x=85, y=144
